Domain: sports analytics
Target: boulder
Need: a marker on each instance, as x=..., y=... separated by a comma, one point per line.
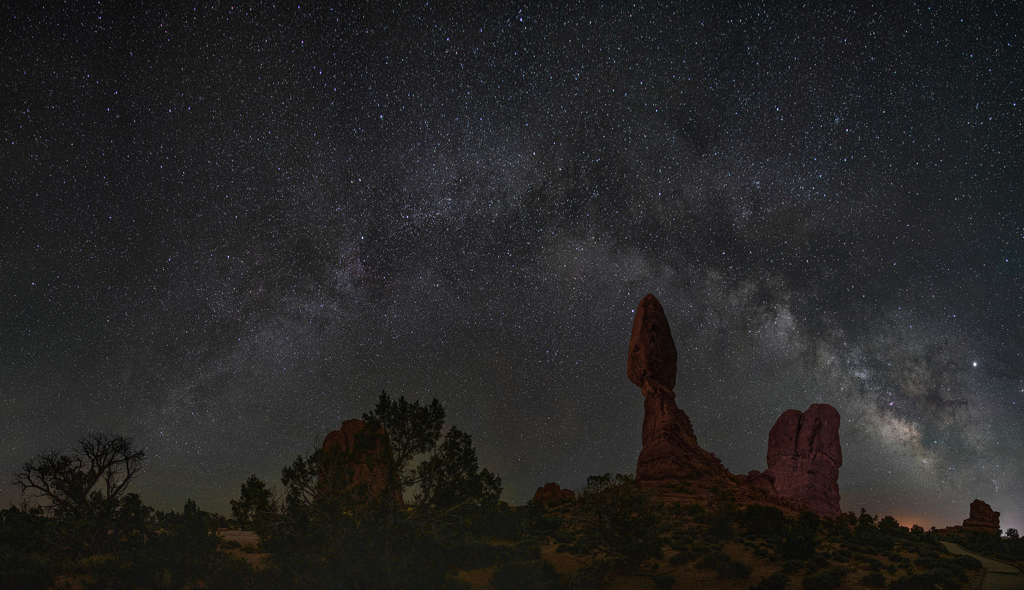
x=982, y=517
x=652, y=353
x=804, y=456
x=551, y=494
x=670, y=451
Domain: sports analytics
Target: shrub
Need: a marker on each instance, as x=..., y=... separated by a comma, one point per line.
x=776, y=581
x=875, y=579
x=736, y=569
x=664, y=581
x=526, y=575
x=913, y=582
x=791, y=566
x=680, y=558
x=564, y=537
x=800, y=544
x=472, y=555
x=527, y=550
x=590, y=577
x=453, y=583
x=762, y=521
x=23, y=570
x=725, y=566
x=968, y=562
x=619, y=522
x=825, y=579
x=230, y=573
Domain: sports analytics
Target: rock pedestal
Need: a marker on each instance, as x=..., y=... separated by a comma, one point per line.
x=804, y=456
x=670, y=450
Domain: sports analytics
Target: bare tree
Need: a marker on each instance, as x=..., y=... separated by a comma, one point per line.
x=100, y=468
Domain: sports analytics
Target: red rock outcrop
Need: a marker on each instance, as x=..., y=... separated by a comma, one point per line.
x=804, y=456
x=366, y=464
x=551, y=494
x=652, y=352
x=982, y=517
x=670, y=450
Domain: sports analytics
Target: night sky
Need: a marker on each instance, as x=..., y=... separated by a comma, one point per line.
x=225, y=231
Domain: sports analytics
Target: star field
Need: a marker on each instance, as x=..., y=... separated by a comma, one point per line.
x=224, y=231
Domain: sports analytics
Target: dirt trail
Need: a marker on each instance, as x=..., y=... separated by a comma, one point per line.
x=996, y=575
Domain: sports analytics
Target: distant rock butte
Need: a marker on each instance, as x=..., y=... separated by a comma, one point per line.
x=365, y=463
x=670, y=450
x=804, y=457
x=551, y=493
x=982, y=517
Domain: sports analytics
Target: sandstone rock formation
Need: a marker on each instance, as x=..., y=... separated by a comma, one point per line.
x=982, y=517
x=804, y=456
x=652, y=352
x=366, y=465
x=670, y=450
x=551, y=494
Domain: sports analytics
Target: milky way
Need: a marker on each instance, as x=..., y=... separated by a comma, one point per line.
x=223, y=232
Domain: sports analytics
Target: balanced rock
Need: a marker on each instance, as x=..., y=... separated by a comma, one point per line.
x=551, y=494
x=982, y=517
x=804, y=456
x=363, y=464
x=670, y=450
x=652, y=352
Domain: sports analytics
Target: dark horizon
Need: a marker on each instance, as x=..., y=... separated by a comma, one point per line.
x=223, y=232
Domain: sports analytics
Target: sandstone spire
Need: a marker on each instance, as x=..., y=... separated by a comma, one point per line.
x=670, y=450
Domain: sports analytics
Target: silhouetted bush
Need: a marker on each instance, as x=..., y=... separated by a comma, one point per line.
x=526, y=575
x=762, y=521
x=725, y=566
x=681, y=558
x=874, y=579
x=799, y=544
x=792, y=566
x=470, y=555
x=825, y=579
x=591, y=576
x=968, y=562
x=664, y=581
x=776, y=581
x=499, y=521
x=526, y=550
x=24, y=571
x=619, y=522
